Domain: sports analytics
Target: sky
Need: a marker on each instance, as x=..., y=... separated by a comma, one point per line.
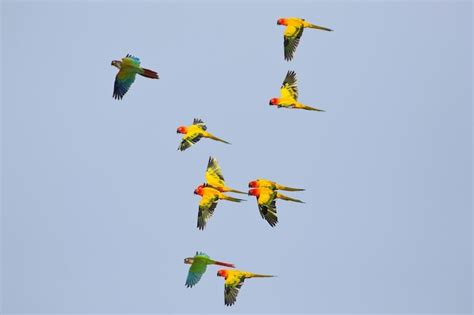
x=98, y=209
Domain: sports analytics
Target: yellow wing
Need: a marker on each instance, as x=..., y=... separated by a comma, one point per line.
x=214, y=175
x=267, y=206
x=206, y=208
x=190, y=138
x=291, y=39
x=289, y=88
x=233, y=283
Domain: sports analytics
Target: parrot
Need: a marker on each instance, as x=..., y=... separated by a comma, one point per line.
x=266, y=199
x=208, y=203
x=198, y=267
x=272, y=185
x=289, y=95
x=293, y=32
x=234, y=279
x=215, y=179
x=129, y=67
x=194, y=133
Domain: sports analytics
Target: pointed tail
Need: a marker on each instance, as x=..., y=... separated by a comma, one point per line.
x=256, y=275
x=281, y=196
x=237, y=191
x=225, y=197
x=150, y=74
x=211, y=136
x=306, y=107
x=319, y=27
x=220, y=263
x=280, y=187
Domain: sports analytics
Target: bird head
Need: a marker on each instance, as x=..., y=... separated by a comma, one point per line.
x=116, y=63
x=222, y=273
x=273, y=101
x=281, y=21
x=188, y=260
x=253, y=184
x=181, y=129
x=254, y=192
x=199, y=190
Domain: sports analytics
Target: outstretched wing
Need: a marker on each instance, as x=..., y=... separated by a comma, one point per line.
x=197, y=269
x=231, y=288
x=214, y=175
x=291, y=39
x=189, y=139
x=269, y=213
x=206, y=208
x=123, y=81
x=200, y=123
x=289, y=88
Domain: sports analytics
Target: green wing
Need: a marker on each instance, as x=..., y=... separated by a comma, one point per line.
x=197, y=269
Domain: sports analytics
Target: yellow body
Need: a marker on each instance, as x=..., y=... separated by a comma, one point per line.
x=215, y=178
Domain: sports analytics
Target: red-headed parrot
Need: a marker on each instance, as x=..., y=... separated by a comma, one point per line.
x=198, y=267
x=270, y=184
x=289, y=95
x=293, y=32
x=193, y=133
x=234, y=279
x=129, y=67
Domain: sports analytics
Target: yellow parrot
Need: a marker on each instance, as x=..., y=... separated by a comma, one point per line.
x=215, y=178
x=272, y=185
x=293, y=32
x=266, y=200
x=289, y=95
x=210, y=197
x=234, y=279
x=194, y=133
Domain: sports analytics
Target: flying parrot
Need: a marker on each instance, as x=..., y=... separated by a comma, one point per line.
x=215, y=178
x=289, y=95
x=266, y=200
x=129, y=67
x=234, y=279
x=208, y=203
x=293, y=32
x=272, y=185
x=198, y=267
x=194, y=133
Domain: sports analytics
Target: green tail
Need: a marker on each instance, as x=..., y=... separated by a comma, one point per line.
x=232, y=199
x=210, y=136
x=289, y=188
x=281, y=196
x=320, y=27
x=237, y=191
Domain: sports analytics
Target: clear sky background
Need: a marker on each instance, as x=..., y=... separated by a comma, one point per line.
x=98, y=209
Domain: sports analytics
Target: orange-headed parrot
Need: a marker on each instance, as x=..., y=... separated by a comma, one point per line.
x=293, y=32
x=266, y=200
x=289, y=95
x=208, y=203
x=198, y=267
x=260, y=182
x=194, y=133
x=215, y=178
x=129, y=67
x=234, y=279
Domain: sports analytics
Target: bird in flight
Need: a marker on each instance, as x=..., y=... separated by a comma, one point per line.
x=128, y=69
x=234, y=279
x=209, y=198
x=270, y=184
x=266, y=200
x=215, y=179
x=193, y=133
x=293, y=32
x=289, y=95
x=198, y=267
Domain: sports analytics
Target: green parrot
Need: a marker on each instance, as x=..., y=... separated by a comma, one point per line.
x=198, y=267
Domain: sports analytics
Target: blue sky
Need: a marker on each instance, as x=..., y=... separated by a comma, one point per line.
x=98, y=209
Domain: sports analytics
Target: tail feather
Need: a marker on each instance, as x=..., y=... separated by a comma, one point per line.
x=256, y=275
x=279, y=187
x=225, y=197
x=150, y=74
x=306, y=107
x=319, y=27
x=220, y=263
x=211, y=136
x=237, y=191
x=281, y=196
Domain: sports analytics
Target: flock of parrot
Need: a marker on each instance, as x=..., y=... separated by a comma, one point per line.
x=214, y=189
